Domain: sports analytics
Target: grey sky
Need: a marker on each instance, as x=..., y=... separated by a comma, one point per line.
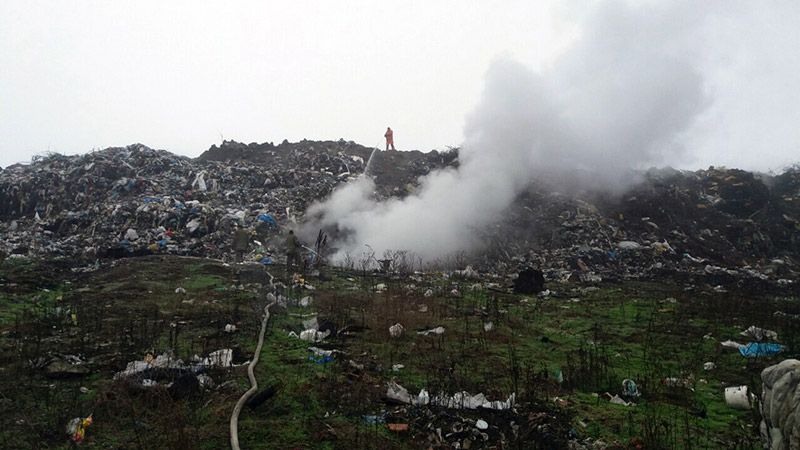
x=77, y=75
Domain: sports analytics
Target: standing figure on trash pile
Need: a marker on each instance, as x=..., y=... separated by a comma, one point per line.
x=292, y=251
x=389, y=135
x=241, y=242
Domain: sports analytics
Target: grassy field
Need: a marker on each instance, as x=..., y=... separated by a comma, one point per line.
x=559, y=354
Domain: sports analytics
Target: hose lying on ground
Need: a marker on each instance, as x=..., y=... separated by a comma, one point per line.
x=253, y=383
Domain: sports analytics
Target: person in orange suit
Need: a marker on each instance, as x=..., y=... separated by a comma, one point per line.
x=389, y=135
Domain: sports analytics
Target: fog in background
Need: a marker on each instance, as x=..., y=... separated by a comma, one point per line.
x=182, y=75
x=627, y=94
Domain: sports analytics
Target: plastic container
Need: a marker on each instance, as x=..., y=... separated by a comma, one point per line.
x=738, y=397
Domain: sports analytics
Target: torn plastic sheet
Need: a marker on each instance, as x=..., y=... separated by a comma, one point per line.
x=322, y=352
x=314, y=335
x=219, y=358
x=437, y=331
x=755, y=349
x=459, y=400
x=760, y=334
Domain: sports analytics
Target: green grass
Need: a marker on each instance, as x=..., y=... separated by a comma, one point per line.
x=31, y=305
x=641, y=335
x=200, y=282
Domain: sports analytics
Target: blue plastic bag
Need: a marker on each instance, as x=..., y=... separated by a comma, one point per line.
x=754, y=349
x=268, y=219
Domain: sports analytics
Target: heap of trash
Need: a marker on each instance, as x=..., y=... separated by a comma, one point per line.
x=135, y=200
x=717, y=225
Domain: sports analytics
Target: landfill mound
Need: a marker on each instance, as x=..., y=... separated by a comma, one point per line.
x=135, y=200
x=394, y=173
x=720, y=223
x=725, y=225
x=83, y=206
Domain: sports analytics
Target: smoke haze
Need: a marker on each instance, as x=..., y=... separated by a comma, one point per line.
x=620, y=98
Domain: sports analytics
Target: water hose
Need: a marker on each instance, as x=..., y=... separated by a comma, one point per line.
x=253, y=383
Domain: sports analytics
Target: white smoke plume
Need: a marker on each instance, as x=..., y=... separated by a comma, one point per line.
x=618, y=99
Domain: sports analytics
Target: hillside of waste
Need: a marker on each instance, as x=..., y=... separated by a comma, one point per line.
x=716, y=223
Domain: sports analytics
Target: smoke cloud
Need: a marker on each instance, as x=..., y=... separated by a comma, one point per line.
x=618, y=99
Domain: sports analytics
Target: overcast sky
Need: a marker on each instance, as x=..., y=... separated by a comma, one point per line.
x=182, y=75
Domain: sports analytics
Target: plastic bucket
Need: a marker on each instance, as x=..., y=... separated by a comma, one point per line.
x=737, y=397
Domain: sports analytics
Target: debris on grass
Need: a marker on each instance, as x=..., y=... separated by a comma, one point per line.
x=738, y=397
x=396, y=330
x=760, y=334
x=459, y=400
x=433, y=331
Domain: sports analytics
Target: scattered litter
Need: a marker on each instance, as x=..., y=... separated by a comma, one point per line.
x=396, y=330
x=760, y=334
x=162, y=361
x=676, y=382
x=629, y=388
x=206, y=382
x=468, y=273
x=397, y=427
x=375, y=419
x=63, y=366
x=481, y=424
x=321, y=359
x=459, y=400
x=397, y=367
x=436, y=331
x=355, y=365
x=314, y=335
x=76, y=428
x=180, y=290
x=219, y=358
x=709, y=366
x=756, y=349
x=311, y=324
x=398, y=393
x=731, y=344
x=230, y=328
x=629, y=245
x=320, y=352
x=617, y=400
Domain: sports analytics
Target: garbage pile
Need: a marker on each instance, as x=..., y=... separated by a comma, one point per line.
x=136, y=200
x=181, y=379
x=463, y=420
x=531, y=428
x=721, y=225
